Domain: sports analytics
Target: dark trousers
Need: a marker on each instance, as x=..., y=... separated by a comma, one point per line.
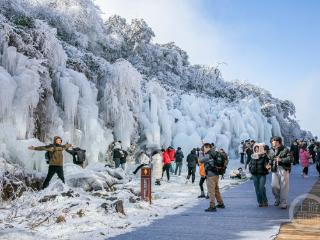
x=242, y=158
x=192, y=172
x=166, y=168
x=178, y=168
x=313, y=155
x=305, y=170
x=202, y=179
x=138, y=168
x=248, y=161
x=116, y=162
x=318, y=167
x=51, y=171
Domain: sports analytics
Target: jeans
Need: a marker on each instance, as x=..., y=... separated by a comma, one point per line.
x=260, y=187
x=51, y=171
x=171, y=168
x=178, y=168
x=192, y=172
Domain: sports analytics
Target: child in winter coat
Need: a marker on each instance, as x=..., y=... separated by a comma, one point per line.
x=304, y=158
x=203, y=177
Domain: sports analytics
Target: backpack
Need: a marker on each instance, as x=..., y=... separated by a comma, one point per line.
x=80, y=155
x=219, y=163
x=47, y=155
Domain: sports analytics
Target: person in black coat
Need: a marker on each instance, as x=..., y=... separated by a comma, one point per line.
x=192, y=160
x=123, y=159
x=179, y=159
x=258, y=167
x=294, y=149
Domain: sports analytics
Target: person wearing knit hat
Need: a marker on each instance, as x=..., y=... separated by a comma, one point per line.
x=55, y=155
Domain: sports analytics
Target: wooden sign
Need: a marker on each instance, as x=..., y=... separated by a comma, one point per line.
x=146, y=184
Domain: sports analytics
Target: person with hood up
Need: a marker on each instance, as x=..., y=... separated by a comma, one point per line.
x=55, y=152
x=259, y=168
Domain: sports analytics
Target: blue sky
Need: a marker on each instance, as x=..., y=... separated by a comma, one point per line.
x=274, y=44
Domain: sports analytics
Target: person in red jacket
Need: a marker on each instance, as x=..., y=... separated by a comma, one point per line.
x=166, y=163
x=171, y=152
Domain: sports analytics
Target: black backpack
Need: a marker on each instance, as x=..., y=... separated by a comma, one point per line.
x=80, y=155
x=219, y=163
x=47, y=155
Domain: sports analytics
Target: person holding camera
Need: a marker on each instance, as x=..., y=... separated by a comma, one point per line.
x=280, y=167
x=210, y=159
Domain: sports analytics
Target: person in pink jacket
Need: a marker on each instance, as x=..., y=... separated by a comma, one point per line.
x=304, y=158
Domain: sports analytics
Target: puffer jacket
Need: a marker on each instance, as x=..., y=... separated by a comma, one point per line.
x=257, y=165
x=304, y=158
x=166, y=158
x=171, y=154
x=179, y=156
x=285, y=162
x=192, y=159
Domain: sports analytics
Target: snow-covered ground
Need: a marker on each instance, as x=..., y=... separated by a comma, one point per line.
x=87, y=215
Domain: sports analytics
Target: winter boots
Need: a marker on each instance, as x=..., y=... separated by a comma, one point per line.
x=202, y=195
x=211, y=209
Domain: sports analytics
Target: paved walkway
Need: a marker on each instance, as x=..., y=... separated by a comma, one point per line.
x=242, y=219
x=306, y=223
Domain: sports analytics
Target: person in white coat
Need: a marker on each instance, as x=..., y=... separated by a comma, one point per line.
x=157, y=166
x=143, y=160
